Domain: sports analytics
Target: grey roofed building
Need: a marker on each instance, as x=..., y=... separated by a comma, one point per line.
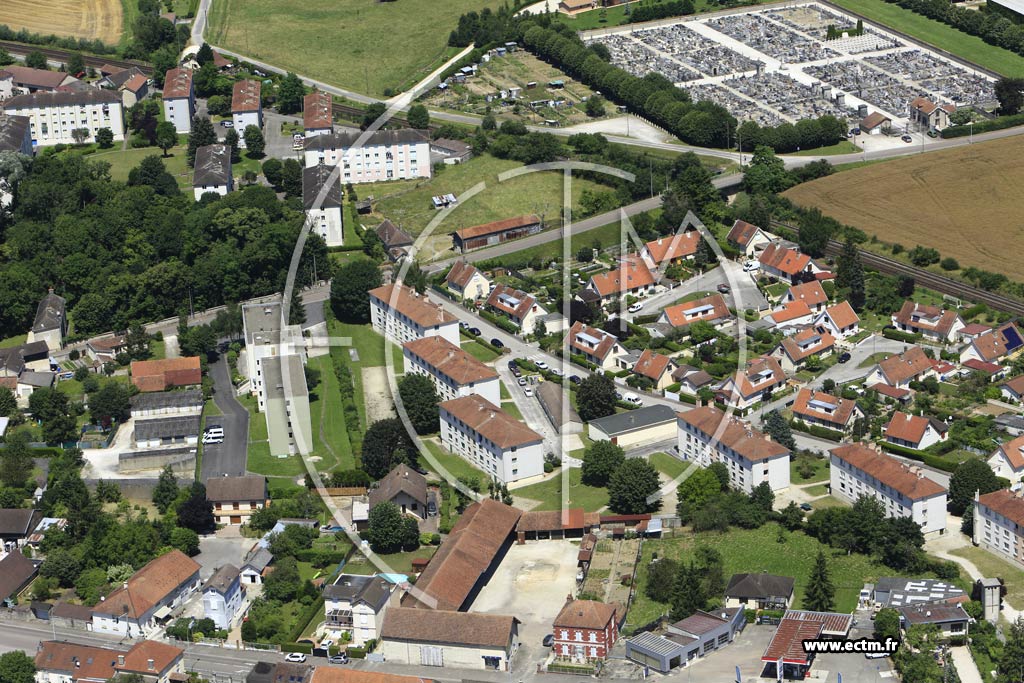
x=68, y=610
x=279, y=672
x=17, y=523
x=314, y=178
x=347, y=139
x=213, y=166
x=16, y=571
x=393, y=236
x=550, y=396
x=401, y=479
x=686, y=640
x=900, y=592
x=119, y=78
x=222, y=579
x=13, y=131
x=698, y=378
x=40, y=380
x=632, y=420
x=258, y=559
x=236, y=489
x=262, y=323
x=372, y=591
x=50, y=314
x=167, y=428
x=1014, y=424
x=762, y=589
x=62, y=99
x=157, y=400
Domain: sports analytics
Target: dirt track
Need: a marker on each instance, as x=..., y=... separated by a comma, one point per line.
x=91, y=19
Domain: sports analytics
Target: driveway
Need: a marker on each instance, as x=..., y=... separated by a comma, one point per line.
x=227, y=457
x=529, y=407
x=227, y=546
x=279, y=145
x=744, y=295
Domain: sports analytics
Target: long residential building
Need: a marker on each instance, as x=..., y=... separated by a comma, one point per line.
x=179, y=99
x=65, y=662
x=55, y=115
x=494, y=441
x=317, y=115
x=246, y=107
x=707, y=435
x=325, y=215
x=999, y=524
x=859, y=470
x=383, y=155
x=402, y=315
x=149, y=596
x=454, y=372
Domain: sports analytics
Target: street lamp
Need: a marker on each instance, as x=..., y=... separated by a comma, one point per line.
x=971, y=124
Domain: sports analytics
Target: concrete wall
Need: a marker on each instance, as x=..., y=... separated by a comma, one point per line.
x=180, y=463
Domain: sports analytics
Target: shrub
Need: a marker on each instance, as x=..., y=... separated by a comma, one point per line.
x=949, y=263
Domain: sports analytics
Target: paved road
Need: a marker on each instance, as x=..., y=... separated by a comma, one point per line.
x=227, y=457
x=743, y=294
x=279, y=145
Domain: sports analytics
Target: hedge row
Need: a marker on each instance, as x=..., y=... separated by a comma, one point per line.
x=899, y=335
x=817, y=430
x=305, y=616
x=984, y=126
x=927, y=458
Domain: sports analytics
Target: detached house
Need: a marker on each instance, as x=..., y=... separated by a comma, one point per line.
x=465, y=281
x=236, y=498
x=585, y=630
x=994, y=346
x=825, y=410
x=356, y=605
x=212, y=171
x=149, y=597
x=1013, y=389
x=899, y=371
x=50, y=324
x=931, y=322
x=596, y=346
x=655, y=367
x=671, y=250
x=794, y=351
x=811, y=293
x=840, y=320
x=760, y=591
x=631, y=277
x=785, y=264
x=791, y=314
x=222, y=596
x=519, y=307
x=711, y=309
x=748, y=238
x=1008, y=459
x=915, y=431
x=748, y=386
x=405, y=488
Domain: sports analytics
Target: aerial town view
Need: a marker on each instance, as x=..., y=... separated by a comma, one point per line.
x=467, y=341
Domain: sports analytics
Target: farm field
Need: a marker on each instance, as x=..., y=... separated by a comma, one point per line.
x=963, y=202
x=90, y=19
x=372, y=46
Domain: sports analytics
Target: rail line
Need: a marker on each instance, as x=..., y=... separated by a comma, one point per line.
x=61, y=55
x=925, y=278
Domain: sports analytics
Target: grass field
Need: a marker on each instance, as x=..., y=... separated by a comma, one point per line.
x=479, y=351
x=365, y=45
x=396, y=562
x=990, y=565
x=549, y=493
x=614, y=16
x=456, y=465
x=963, y=202
x=841, y=147
x=123, y=161
x=13, y=341
x=938, y=34
x=667, y=465
x=91, y=19
x=821, y=472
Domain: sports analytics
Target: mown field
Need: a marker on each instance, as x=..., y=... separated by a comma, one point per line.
x=965, y=202
x=364, y=45
x=90, y=19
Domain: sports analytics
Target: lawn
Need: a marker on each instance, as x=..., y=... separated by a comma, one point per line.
x=13, y=341
x=821, y=471
x=210, y=408
x=604, y=235
x=368, y=344
x=396, y=562
x=918, y=200
x=456, y=465
x=122, y=161
x=817, y=490
x=668, y=465
x=479, y=351
x=364, y=45
x=873, y=359
x=330, y=437
x=990, y=565
x=614, y=16
x=549, y=493
x=259, y=459
x=841, y=147
x=512, y=409
x=939, y=35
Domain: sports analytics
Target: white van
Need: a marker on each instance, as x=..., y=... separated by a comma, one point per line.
x=633, y=398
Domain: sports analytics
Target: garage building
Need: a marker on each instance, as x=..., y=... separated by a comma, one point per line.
x=441, y=638
x=640, y=427
x=167, y=430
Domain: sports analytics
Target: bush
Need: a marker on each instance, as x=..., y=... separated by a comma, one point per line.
x=949, y=263
x=899, y=335
x=548, y=468
x=983, y=126
x=927, y=458
x=817, y=430
x=356, y=653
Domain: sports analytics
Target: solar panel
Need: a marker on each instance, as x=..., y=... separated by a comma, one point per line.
x=822, y=405
x=588, y=339
x=1013, y=340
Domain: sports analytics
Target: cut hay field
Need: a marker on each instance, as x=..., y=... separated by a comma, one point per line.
x=965, y=202
x=364, y=45
x=90, y=19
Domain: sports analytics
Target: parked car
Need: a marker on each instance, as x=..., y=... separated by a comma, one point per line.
x=633, y=398
x=906, y=138
x=844, y=357
x=327, y=643
x=557, y=372
x=932, y=134
x=497, y=343
x=463, y=324
x=522, y=381
x=516, y=372
x=805, y=506
x=512, y=365
x=751, y=266
x=475, y=331
x=541, y=364
x=549, y=640
x=724, y=288
x=635, y=307
x=575, y=379
x=338, y=659
x=228, y=124
x=295, y=657
x=528, y=392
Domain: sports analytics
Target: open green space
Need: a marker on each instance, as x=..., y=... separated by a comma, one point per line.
x=13, y=341
x=330, y=437
x=667, y=465
x=364, y=45
x=512, y=409
x=817, y=490
x=368, y=344
x=122, y=161
x=821, y=471
x=479, y=351
x=457, y=466
x=938, y=34
x=210, y=408
x=841, y=147
x=549, y=493
x=990, y=565
x=395, y=562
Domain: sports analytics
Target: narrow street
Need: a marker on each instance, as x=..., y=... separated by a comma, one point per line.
x=227, y=457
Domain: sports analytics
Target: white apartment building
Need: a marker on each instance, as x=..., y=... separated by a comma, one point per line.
x=317, y=117
x=454, y=372
x=999, y=524
x=149, y=597
x=212, y=172
x=706, y=435
x=402, y=315
x=246, y=107
x=356, y=604
x=179, y=99
x=383, y=155
x=494, y=441
x=325, y=215
x=859, y=470
x=54, y=115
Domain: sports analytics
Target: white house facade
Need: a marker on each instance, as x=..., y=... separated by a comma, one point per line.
x=54, y=115
x=453, y=371
x=402, y=315
x=491, y=439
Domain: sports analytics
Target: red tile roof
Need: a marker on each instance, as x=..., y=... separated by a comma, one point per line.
x=909, y=481
x=766, y=367
x=742, y=232
x=556, y=520
x=873, y=120
x=149, y=585
x=497, y=226
x=1016, y=385
x=316, y=110
x=841, y=413
x=928, y=318
x=910, y=364
x=606, y=341
x=784, y=259
x=994, y=345
x=843, y=315
x=158, y=375
x=811, y=293
x=911, y=428
x=511, y=301
x=673, y=247
x=982, y=366
x=177, y=83
x=585, y=614
x=245, y=96
x=461, y=273
x=793, y=310
x=450, y=360
x=416, y=307
x=448, y=627
x=891, y=392
x=162, y=655
x=1013, y=450
x=344, y=674
x=35, y=78
x=135, y=83
x=652, y=365
x=735, y=434
x=719, y=310
x=632, y=274
x=1007, y=503
x=490, y=421
x=807, y=343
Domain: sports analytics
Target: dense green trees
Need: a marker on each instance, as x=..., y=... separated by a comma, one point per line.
x=17, y=667
x=595, y=397
x=386, y=444
x=631, y=485
x=418, y=117
x=290, y=93
x=776, y=427
x=386, y=528
x=850, y=276
x=419, y=398
x=600, y=460
x=971, y=475
x=349, y=300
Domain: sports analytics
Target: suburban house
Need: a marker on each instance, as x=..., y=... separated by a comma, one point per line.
x=711, y=309
x=795, y=350
x=401, y=314
x=596, y=346
x=324, y=215
x=875, y=123
x=840, y=320
x=789, y=315
x=785, y=264
x=37, y=80
x=687, y=640
x=453, y=371
x=106, y=348
x=16, y=573
x=748, y=238
x=179, y=98
x=15, y=526
x=1008, y=459
x=356, y=604
x=951, y=620
x=899, y=371
x=999, y=524
x=655, y=367
x=494, y=441
x=405, y=488
x=246, y=107
x=451, y=152
x=236, y=498
x=691, y=380
x=382, y=155
x=50, y=324
x=317, y=114
x=1013, y=389
x=811, y=293
x=914, y=431
x=396, y=241
x=930, y=114
x=160, y=375
x=670, y=250
x=585, y=630
x=931, y=322
x=760, y=591
x=56, y=115
x=520, y=307
x=222, y=596
x=465, y=281
x=149, y=596
x=632, y=428
x=15, y=136
x=994, y=346
x=858, y=469
x=752, y=457
x=825, y=410
x=754, y=383
x=212, y=171
x=65, y=662
x=632, y=277
x=467, y=640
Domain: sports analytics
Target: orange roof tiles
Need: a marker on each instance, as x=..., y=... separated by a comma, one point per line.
x=632, y=274
x=344, y=674
x=908, y=365
x=784, y=259
x=911, y=482
x=585, y=614
x=1014, y=452
x=673, y=247
x=416, y=307
x=1007, y=503
x=842, y=315
x=450, y=360
x=461, y=273
x=742, y=232
x=736, y=434
x=911, y=428
x=149, y=585
x=809, y=292
x=316, y=110
x=511, y=301
x=806, y=343
x=245, y=96
x=841, y=414
x=677, y=314
x=929, y=318
x=652, y=365
x=158, y=375
x=578, y=333
x=793, y=310
x=765, y=369
x=498, y=226
x=490, y=421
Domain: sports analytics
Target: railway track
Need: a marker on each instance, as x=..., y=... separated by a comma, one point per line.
x=60, y=55
x=925, y=278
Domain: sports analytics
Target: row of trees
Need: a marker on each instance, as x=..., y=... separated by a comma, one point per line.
x=630, y=481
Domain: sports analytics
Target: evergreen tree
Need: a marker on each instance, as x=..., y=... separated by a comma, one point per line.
x=290, y=93
x=820, y=595
x=386, y=528
x=166, y=490
x=231, y=140
x=689, y=592
x=254, y=142
x=600, y=460
x=776, y=427
x=850, y=275
x=202, y=134
x=630, y=487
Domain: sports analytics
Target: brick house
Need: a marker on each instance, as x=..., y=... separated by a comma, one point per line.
x=585, y=630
